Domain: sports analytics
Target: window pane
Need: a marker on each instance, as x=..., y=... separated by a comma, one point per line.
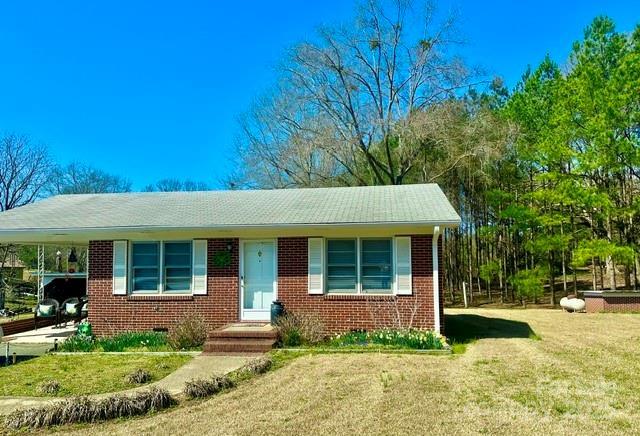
x=341, y=284
x=376, y=270
x=341, y=265
x=177, y=259
x=178, y=272
x=376, y=284
x=145, y=284
x=177, y=266
x=178, y=284
x=145, y=266
x=146, y=272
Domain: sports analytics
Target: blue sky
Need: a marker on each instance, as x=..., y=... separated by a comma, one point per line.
x=153, y=89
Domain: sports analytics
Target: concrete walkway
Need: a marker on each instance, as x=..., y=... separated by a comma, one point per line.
x=44, y=335
x=201, y=366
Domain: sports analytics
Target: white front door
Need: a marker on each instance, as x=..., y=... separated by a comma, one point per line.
x=257, y=280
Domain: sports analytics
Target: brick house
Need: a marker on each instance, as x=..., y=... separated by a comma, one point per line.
x=358, y=257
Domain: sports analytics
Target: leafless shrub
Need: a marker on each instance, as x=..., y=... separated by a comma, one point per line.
x=297, y=328
x=138, y=377
x=393, y=313
x=189, y=332
x=83, y=409
x=201, y=388
x=50, y=387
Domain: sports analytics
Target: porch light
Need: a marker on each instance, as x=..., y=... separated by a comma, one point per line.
x=229, y=246
x=72, y=261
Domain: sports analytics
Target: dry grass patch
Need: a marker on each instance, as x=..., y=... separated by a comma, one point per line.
x=578, y=378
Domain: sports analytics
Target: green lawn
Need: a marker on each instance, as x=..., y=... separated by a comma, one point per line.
x=524, y=372
x=83, y=374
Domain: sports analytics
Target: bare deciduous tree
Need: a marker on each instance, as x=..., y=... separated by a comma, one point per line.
x=24, y=173
x=173, y=185
x=334, y=117
x=77, y=178
x=25, y=170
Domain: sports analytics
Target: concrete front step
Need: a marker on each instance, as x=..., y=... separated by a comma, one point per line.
x=241, y=346
x=241, y=338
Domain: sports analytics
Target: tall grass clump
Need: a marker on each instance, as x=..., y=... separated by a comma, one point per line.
x=138, y=377
x=49, y=387
x=87, y=410
x=259, y=365
x=201, y=388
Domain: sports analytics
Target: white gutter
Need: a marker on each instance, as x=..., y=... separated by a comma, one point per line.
x=436, y=279
x=227, y=227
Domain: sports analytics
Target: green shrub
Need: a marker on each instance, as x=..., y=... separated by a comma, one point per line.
x=528, y=283
x=392, y=338
x=128, y=341
x=188, y=333
x=201, y=388
x=77, y=343
x=83, y=409
x=151, y=341
x=295, y=329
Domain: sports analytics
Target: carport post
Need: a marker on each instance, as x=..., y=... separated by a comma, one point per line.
x=40, y=273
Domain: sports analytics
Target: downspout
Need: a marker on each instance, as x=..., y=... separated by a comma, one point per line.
x=436, y=279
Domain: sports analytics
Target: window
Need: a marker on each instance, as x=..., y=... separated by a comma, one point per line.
x=376, y=270
x=144, y=266
x=161, y=267
x=341, y=265
x=177, y=266
x=359, y=266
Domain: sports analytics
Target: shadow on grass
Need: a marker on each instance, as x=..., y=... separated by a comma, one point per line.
x=463, y=329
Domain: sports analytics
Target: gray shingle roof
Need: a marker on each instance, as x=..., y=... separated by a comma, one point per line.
x=406, y=204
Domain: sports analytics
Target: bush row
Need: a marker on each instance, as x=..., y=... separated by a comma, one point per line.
x=201, y=388
x=88, y=410
x=188, y=333
x=300, y=329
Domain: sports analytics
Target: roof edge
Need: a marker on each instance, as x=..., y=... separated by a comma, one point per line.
x=62, y=230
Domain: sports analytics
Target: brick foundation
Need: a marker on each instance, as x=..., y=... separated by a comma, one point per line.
x=110, y=313
x=610, y=302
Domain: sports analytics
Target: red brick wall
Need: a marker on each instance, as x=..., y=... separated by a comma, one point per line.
x=110, y=313
x=613, y=303
x=341, y=313
x=113, y=313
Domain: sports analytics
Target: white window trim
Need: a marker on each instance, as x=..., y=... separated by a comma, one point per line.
x=161, y=268
x=358, y=240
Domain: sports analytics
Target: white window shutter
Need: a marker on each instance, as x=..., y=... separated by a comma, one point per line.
x=120, y=253
x=403, y=265
x=316, y=266
x=200, y=267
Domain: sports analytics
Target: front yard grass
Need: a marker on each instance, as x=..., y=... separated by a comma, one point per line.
x=524, y=372
x=83, y=374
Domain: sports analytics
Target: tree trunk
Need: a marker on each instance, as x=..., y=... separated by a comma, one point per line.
x=552, y=281
x=611, y=273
